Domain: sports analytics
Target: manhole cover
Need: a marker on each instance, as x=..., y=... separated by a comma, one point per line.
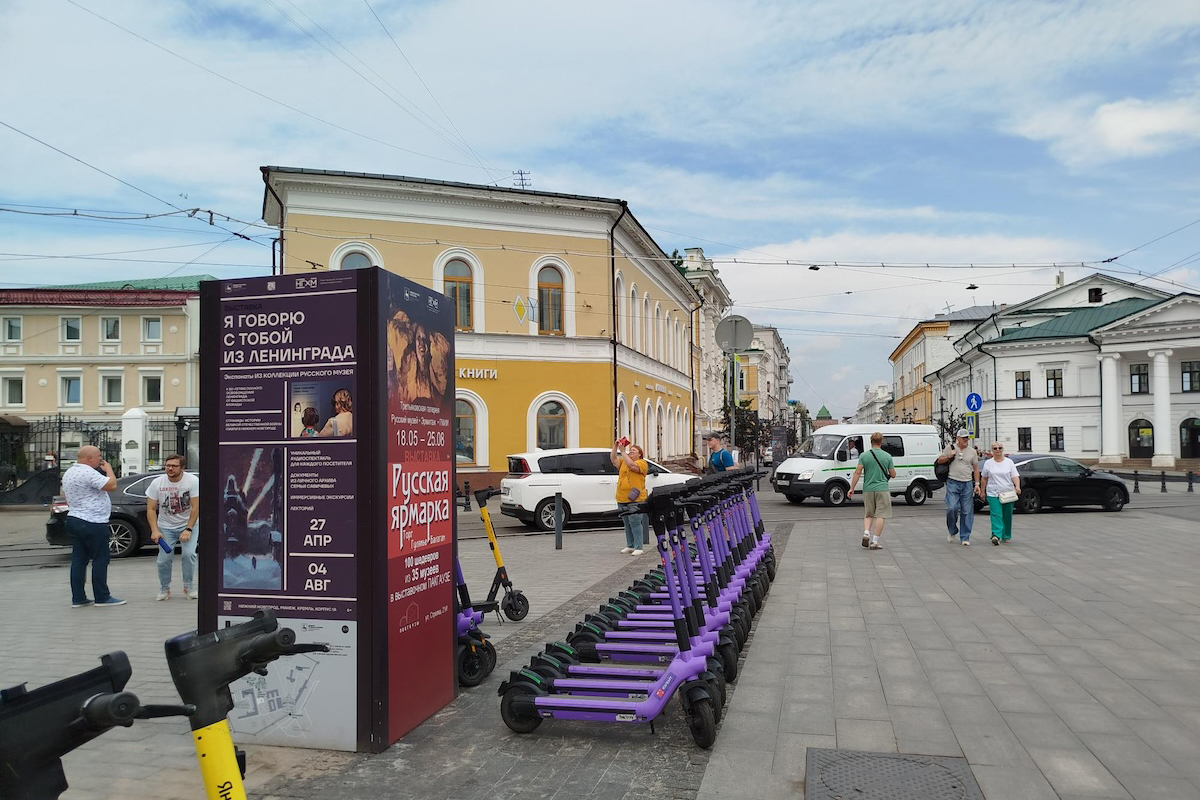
x=851, y=775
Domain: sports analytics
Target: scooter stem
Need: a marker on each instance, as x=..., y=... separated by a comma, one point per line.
x=218, y=762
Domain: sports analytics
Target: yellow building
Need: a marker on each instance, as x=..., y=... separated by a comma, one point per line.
x=573, y=327
x=74, y=359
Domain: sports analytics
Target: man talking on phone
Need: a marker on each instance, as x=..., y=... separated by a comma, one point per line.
x=86, y=486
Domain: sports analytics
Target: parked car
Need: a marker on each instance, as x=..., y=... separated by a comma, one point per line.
x=128, y=529
x=1049, y=481
x=825, y=463
x=585, y=476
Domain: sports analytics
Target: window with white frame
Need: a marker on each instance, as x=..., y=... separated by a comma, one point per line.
x=1054, y=383
x=1190, y=376
x=458, y=280
x=71, y=329
x=151, y=329
x=110, y=329
x=11, y=329
x=112, y=390
x=152, y=390
x=354, y=260
x=70, y=390
x=1139, y=379
x=12, y=390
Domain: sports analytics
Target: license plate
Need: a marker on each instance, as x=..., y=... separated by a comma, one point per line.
x=782, y=483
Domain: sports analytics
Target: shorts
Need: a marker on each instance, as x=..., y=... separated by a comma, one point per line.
x=878, y=505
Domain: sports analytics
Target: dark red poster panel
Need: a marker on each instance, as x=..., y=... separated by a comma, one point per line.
x=418, y=333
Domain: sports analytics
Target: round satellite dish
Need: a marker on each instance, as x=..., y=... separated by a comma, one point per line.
x=734, y=334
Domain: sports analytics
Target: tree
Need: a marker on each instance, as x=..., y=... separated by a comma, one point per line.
x=950, y=424
x=749, y=431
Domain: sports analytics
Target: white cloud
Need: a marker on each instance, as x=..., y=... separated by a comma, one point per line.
x=1088, y=132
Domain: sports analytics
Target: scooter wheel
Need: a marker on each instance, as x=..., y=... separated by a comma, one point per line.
x=515, y=606
x=718, y=683
x=489, y=652
x=729, y=660
x=472, y=665
x=517, y=722
x=701, y=722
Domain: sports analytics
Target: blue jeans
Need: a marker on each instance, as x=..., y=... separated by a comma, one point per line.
x=960, y=501
x=635, y=526
x=189, y=557
x=89, y=542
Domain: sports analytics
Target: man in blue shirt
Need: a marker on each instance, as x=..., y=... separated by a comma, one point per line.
x=720, y=459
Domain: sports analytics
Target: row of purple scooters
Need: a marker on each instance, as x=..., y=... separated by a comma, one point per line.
x=677, y=631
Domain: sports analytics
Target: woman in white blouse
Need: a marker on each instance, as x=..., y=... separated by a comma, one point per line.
x=998, y=475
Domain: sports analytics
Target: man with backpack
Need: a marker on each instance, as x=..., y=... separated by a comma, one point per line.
x=875, y=466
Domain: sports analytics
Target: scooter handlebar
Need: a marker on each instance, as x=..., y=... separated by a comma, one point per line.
x=103, y=711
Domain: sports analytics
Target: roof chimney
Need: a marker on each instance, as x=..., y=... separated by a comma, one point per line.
x=1058, y=280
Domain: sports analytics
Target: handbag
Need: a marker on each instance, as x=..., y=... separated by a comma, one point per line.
x=1007, y=497
x=941, y=471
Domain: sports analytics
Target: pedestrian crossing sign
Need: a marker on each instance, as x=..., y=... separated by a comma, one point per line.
x=972, y=423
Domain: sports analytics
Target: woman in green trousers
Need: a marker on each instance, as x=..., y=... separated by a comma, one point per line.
x=999, y=475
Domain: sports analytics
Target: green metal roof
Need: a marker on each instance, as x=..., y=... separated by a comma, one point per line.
x=1078, y=323
x=824, y=413
x=181, y=283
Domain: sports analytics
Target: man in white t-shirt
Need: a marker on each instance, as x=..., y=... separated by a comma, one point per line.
x=172, y=508
x=86, y=485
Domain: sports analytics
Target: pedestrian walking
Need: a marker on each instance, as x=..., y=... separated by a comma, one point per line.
x=961, y=487
x=630, y=462
x=172, y=508
x=876, y=467
x=86, y=485
x=719, y=459
x=1000, y=483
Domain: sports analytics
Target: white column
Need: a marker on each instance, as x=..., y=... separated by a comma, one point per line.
x=1164, y=432
x=1110, y=408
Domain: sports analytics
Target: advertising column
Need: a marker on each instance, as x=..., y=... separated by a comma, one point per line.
x=418, y=327
x=288, y=404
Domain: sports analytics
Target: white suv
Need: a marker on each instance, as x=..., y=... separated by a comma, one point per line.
x=585, y=476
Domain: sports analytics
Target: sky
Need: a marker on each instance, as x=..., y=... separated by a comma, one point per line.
x=926, y=156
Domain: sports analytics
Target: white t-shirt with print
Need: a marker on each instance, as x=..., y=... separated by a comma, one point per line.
x=83, y=487
x=174, y=499
x=1000, y=475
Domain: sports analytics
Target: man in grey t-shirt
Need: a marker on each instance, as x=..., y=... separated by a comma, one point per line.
x=961, y=487
x=86, y=486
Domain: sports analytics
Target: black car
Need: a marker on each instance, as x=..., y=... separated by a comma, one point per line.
x=1049, y=481
x=128, y=529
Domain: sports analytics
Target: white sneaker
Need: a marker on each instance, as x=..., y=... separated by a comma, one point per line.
x=866, y=540
x=626, y=550
x=191, y=594
x=950, y=537
x=637, y=552
x=966, y=543
x=163, y=594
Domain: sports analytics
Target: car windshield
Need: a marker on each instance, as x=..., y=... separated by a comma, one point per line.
x=821, y=445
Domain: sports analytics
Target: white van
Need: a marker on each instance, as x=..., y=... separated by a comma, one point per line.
x=825, y=463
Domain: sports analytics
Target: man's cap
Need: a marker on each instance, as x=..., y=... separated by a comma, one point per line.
x=963, y=433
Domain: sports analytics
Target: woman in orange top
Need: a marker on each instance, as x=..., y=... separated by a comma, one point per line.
x=631, y=489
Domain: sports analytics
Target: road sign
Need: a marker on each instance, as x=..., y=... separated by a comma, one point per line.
x=734, y=334
x=974, y=401
x=972, y=423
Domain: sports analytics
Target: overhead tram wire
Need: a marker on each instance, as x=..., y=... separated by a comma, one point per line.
x=268, y=98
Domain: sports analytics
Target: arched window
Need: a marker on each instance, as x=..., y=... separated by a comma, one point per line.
x=353, y=255
x=355, y=260
x=551, y=425
x=622, y=417
x=464, y=432
x=621, y=333
x=550, y=302
x=635, y=428
x=635, y=324
x=1189, y=438
x=647, y=330
x=457, y=277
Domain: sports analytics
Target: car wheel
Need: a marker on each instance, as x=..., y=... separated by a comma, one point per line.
x=917, y=494
x=1114, y=499
x=793, y=499
x=122, y=539
x=835, y=494
x=1030, y=501
x=543, y=515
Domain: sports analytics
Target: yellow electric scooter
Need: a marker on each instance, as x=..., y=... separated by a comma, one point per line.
x=514, y=605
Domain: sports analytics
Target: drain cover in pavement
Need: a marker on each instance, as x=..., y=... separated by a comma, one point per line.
x=845, y=774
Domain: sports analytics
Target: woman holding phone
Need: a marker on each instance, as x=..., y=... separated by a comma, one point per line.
x=631, y=490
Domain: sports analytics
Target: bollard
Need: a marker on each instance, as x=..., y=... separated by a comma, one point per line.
x=466, y=495
x=1136, y=490
x=1164, y=480
x=1191, y=475
x=558, y=520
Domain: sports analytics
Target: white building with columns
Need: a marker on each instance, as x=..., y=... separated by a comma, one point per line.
x=1099, y=369
x=876, y=396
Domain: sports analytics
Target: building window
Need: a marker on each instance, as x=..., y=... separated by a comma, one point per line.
x=741, y=373
x=12, y=329
x=14, y=391
x=1024, y=440
x=1024, y=385
x=152, y=390
x=112, y=388
x=71, y=327
x=110, y=329
x=1191, y=375
x=151, y=329
x=70, y=391
x=550, y=302
x=1095, y=295
x=1056, y=439
x=1139, y=378
x=1054, y=383
x=355, y=260
x=457, y=277
x=464, y=432
x=551, y=425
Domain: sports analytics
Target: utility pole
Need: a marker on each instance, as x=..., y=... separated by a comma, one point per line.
x=942, y=408
x=521, y=179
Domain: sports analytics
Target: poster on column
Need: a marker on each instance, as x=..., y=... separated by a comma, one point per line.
x=418, y=331
x=287, y=463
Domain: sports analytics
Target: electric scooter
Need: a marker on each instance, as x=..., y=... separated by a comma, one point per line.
x=474, y=655
x=514, y=605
